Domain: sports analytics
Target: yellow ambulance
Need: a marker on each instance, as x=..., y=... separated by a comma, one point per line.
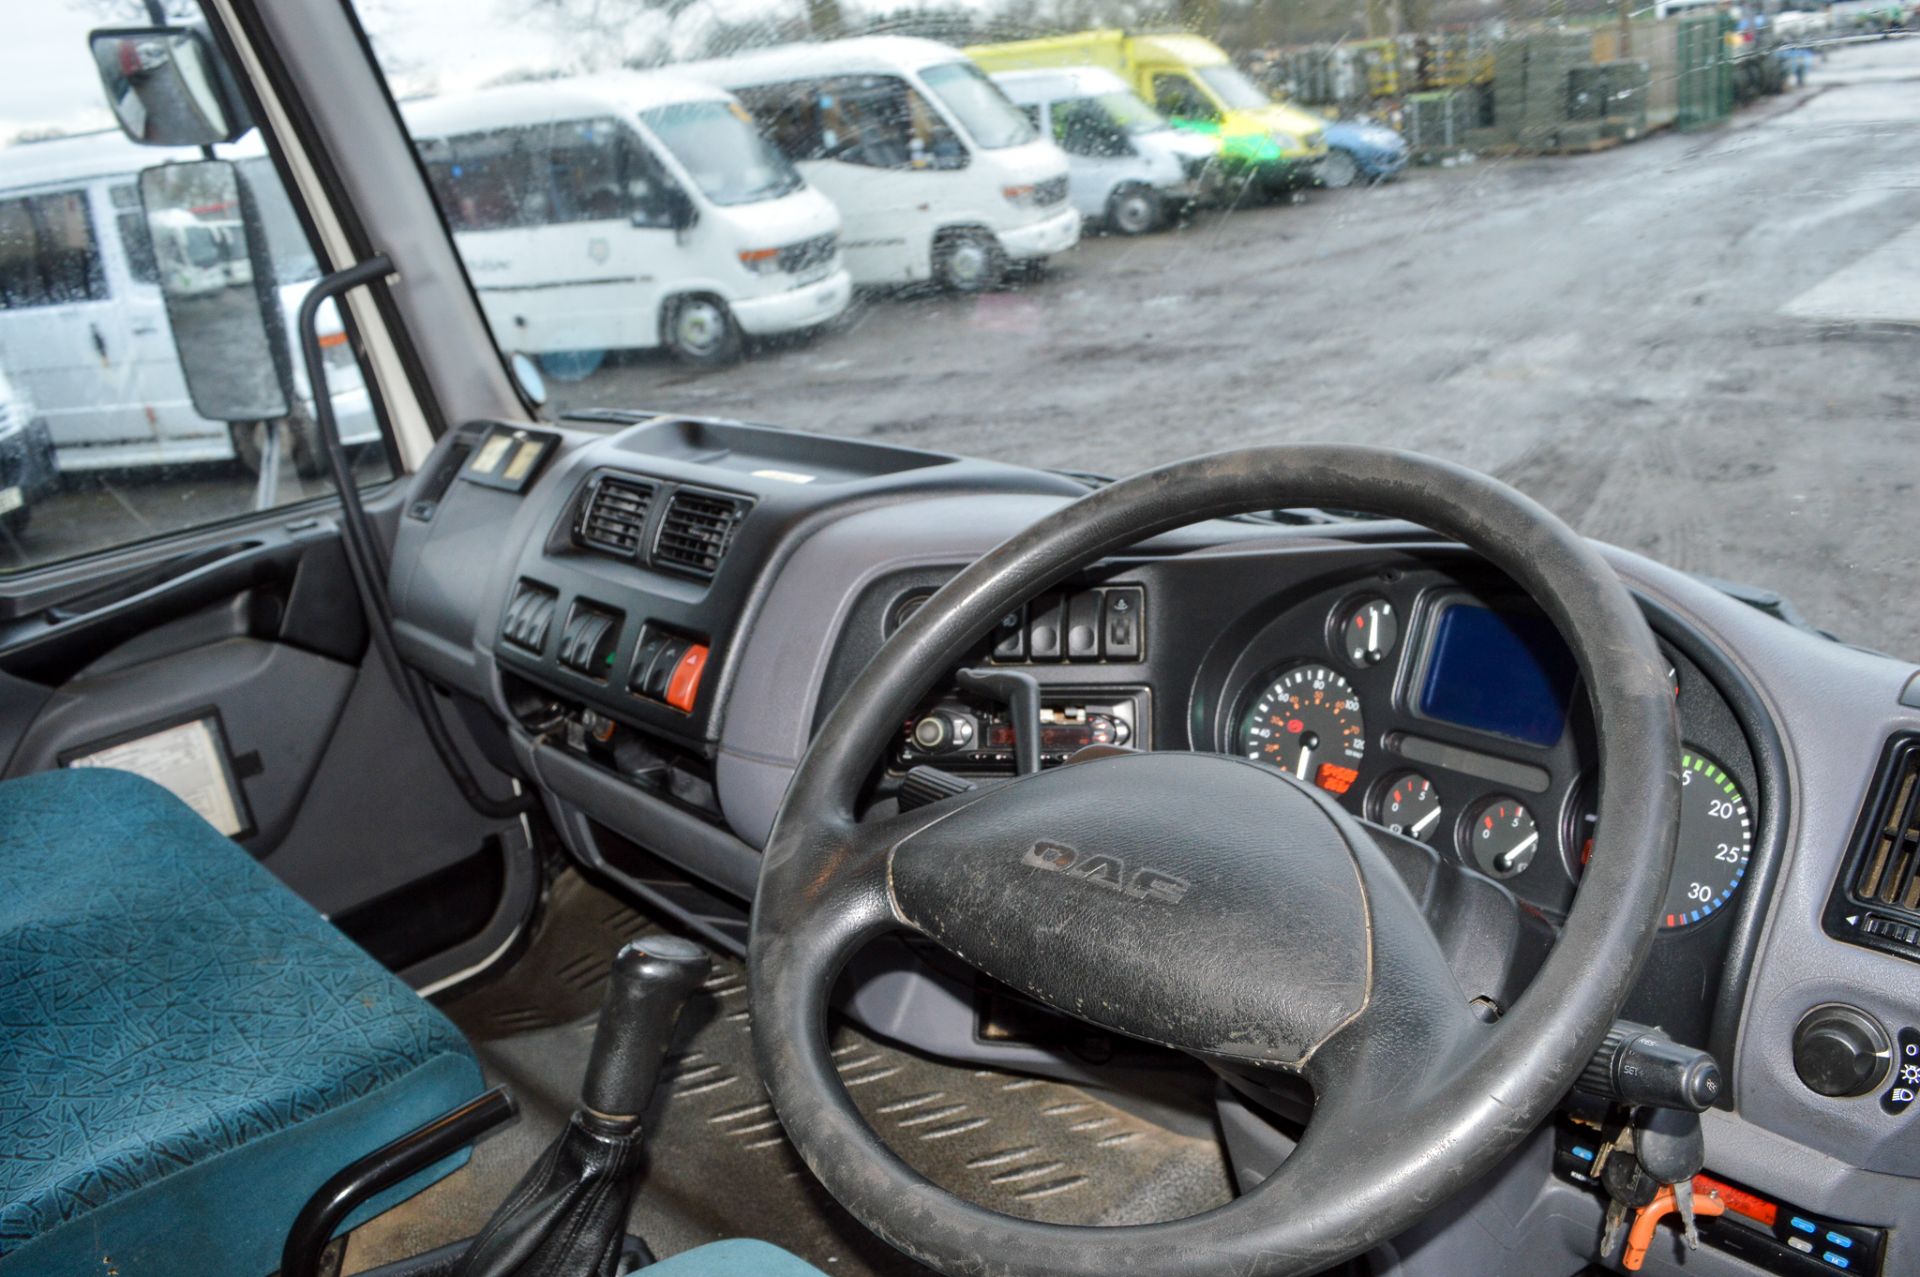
x=1195, y=85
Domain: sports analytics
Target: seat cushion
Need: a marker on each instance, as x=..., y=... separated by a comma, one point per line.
x=187, y=1049
x=739, y=1257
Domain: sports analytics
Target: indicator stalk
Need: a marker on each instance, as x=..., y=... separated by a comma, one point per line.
x=1639, y=1065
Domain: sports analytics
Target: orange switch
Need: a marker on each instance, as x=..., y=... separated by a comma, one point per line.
x=685, y=683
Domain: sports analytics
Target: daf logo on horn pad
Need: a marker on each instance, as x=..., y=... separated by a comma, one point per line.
x=1107, y=871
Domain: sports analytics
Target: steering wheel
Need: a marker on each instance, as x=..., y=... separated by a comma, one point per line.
x=1212, y=904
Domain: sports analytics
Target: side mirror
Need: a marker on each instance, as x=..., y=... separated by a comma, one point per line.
x=527, y=374
x=167, y=86
x=223, y=304
x=679, y=205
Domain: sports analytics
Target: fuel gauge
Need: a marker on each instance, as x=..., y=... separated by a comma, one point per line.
x=1369, y=629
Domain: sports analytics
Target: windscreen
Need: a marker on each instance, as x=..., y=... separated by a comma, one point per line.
x=717, y=144
x=1660, y=273
x=1232, y=87
x=1130, y=113
x=977, y=102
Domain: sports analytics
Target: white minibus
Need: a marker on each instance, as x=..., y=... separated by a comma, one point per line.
x=628, y=211
x=83, y=324
x=937, y=175
x=1127, y=168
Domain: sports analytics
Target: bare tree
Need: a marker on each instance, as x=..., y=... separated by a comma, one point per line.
x=824, y=20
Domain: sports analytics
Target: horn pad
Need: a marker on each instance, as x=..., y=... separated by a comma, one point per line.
x=1202, y=902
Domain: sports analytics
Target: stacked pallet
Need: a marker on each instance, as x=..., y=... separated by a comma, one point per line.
x=1628, y=86
x=1440, y=123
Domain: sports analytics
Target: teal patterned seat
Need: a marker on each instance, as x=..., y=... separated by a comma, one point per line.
x=187, y=1049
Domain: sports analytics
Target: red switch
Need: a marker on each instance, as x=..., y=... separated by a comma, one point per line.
x=685, y=683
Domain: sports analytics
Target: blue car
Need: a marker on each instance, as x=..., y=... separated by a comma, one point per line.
x=1360, y=150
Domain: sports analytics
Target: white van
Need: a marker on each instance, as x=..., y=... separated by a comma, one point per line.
x=1127, y=167
x=198, y=255
x=937, y=175
x=83, y=325
x=27, y=470
x=628, y=211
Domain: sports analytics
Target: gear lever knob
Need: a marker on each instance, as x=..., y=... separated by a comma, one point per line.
x=652, y=979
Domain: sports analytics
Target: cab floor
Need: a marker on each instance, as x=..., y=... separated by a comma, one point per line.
x=719, y=1164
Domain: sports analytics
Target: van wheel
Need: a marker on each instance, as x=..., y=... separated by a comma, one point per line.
x=300, y=436
x=967, y=262
x=701, y=330
x=1134, y=210
x=1338, y=170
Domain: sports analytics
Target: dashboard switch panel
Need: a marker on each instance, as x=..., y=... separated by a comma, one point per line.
x=667, y=667
x=1085, y=626
x=529, y=617
x=588, y=640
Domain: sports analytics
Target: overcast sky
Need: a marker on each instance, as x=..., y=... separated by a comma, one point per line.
x=47, y=78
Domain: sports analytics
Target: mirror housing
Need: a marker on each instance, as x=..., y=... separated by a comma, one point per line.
x=217, y=279
x=681, y=212
x=526, y=374
x=168, y=86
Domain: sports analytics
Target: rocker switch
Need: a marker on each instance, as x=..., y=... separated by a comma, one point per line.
x=1125, y=615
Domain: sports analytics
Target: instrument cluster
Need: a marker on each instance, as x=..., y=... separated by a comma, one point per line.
x=1456, y=716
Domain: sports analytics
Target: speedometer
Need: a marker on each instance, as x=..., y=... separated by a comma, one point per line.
x=1715, y=842
x=1307, y=721
x=1716, y=839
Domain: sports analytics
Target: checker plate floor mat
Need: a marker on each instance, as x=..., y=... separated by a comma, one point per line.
x=720, y=1166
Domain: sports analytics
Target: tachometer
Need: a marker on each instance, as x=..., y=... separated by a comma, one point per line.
x=1307, y=721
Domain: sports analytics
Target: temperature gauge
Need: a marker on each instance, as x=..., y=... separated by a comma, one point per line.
x=1368, y=631
x=1407, y=804
x=1502, y=837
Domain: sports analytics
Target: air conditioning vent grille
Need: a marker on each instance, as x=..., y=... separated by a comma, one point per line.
x=1876, y=901
x=696, y=530
x=613, y=516
x=1886, y=874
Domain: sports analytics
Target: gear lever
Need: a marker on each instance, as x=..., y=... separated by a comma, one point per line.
x=567, y=1217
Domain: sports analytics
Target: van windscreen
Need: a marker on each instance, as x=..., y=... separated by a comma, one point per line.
x=721, y=150
x=977, y=102
x=1231, y=85
x=1130, y=113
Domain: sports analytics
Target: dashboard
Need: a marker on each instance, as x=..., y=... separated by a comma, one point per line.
x=658, y=612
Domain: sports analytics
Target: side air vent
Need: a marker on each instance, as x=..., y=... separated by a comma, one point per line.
x=529, y=618
x=1877, y=900
x=613, y=515
x=696, y=530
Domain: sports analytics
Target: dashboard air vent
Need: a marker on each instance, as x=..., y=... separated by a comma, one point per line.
x=696, y=530
x=1877, y=900
x=529, y=615
x=613, y=515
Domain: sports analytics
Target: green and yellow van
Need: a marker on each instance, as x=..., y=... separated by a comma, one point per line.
x=1195, y=85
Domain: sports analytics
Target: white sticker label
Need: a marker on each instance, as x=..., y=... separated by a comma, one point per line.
x=184, y=759
x=785, y=476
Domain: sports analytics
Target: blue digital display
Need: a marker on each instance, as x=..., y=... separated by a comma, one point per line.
x=1506, y=673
